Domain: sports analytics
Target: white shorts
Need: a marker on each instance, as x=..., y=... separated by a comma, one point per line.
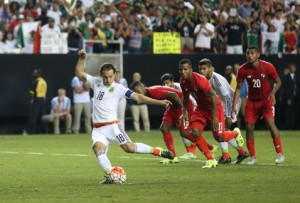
x=111, y=133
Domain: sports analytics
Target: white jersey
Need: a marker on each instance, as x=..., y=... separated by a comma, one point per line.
x=224, y=90
x=106, y=99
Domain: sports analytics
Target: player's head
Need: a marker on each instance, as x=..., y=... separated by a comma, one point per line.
x=205, y=67
x=108, y=73
x=252, y=54
x=167, y=79
x=138, y=87
x=37, y=73
x=185, y=68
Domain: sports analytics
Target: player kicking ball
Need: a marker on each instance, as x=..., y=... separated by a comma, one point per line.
x=106, y=128
x=226, y=93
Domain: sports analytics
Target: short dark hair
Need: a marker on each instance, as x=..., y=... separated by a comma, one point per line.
x=291, y=64
x=38, y=71
x=135, y=84
x=167, y=76
x=107, y=67
x=205, y=62
x=185, y=61
x=253, y=48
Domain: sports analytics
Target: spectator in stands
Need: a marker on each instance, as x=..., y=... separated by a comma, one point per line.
x=3, y=49
x=235, y=33
x=290, y=39
x=122, y=33
x=50, y=27
x=139, y=109
x=60, y=111
x=43, y=18
x=30, y=10
x=185, y=26
x=203, y=32
x=279, y=20
x=21, y=3
x=156, y=19
x=245, y=9
x=86, y=29
x=165, y=26
x=37, y=108
x=14, y=8
x=266, y=22
x=98, y=34
x=81, y=99
x=135, y=40
x=54, y=12
x=253, y=35
x=74, y=35
x=230, y=77
x=10, y=42
x=109, y=34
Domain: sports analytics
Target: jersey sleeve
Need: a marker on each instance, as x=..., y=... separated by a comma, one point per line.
x=203, y=84
x=224, y=94
x=157, y=93
x=91, y=81
x=75, y=82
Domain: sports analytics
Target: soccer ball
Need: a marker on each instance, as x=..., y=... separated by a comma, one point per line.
x=117, y=175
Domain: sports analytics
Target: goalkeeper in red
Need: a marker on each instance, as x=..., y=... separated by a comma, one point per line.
x=260, y=101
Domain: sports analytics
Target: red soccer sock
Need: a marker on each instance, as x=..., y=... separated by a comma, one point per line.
x=225, y=155
x=251, y=148
x=202, y=146
x=241, y=151
x=277, y=145
x=168, y=138
x=210, y=146
x=228, y=135
x=191, y=149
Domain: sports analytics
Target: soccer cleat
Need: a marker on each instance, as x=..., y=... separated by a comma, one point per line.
x=214, y=150
x=241, y=157
x=223, y=160
x=239, y=138
x=164, y=153
x=107, y=180
x=252, y=161
x=188, y=155
x=210, y=164
x=280, y=158
x=169, y=161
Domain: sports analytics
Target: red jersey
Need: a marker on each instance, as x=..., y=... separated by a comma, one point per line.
x=160, y=93
x=258, y=79
x=198, y=86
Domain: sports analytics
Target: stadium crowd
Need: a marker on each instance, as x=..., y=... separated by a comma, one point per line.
x=205, y=26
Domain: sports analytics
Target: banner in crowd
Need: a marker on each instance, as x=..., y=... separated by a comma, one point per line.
x=271, y=42
x=29, y=37
x=166, y=43
x=54, y=43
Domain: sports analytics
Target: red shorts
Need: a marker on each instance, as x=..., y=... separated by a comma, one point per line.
x=257, y=109
x=172, y=115
x=201, y=117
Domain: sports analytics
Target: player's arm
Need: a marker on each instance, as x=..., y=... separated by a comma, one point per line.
x=214, y=102
x=144, y=99
x=79, y=70
x=236, y=97
x=225, y=97
x=174, y=97
x=277, y=84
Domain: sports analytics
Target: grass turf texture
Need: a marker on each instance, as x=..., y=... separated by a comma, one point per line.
x=48, y=168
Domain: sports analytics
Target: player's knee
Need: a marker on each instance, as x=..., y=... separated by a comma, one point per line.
x=219, y=138
x=196, y=133
x=128, y=147
x=98, y=148
x=184, y=134
x=164, y=129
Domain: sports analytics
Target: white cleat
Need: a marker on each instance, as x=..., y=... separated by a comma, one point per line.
x=252, y=161
x=280, y=158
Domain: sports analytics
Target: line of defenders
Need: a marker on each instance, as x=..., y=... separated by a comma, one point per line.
x=202, y=98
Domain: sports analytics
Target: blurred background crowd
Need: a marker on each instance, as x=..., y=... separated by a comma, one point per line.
x=205, y=26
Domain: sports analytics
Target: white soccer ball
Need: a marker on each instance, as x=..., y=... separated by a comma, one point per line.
x=117, y=175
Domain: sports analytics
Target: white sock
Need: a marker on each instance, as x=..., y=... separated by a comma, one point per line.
x=186, y=142
x=224, y=146
x=233, y=143
x=142, y=148
x=104, y=162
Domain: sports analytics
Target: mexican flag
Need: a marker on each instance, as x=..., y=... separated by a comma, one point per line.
x=29, y=37
x=271, y=42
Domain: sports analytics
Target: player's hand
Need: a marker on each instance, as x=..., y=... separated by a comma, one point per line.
x=166, y=103
x=183, y=118
x=82, y=53
x=233, y=112
x=215, y=124
x=228, y=122
x=272, y=98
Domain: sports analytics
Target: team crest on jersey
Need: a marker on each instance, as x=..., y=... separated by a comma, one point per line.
x=248, y=76
x=111, y=89
x=262, y=76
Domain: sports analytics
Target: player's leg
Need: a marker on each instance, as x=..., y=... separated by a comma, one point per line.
x=68, y=118
x=145, y=117
x=77, y=114
x=250, y=142
x=168, y=139
x=87, y=117
x=268, y=114
x=136, y=117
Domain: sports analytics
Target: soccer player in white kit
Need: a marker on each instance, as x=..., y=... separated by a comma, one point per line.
x=226, y=93
x=106, y=128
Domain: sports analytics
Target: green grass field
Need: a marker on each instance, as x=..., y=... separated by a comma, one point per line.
x=48, y=168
